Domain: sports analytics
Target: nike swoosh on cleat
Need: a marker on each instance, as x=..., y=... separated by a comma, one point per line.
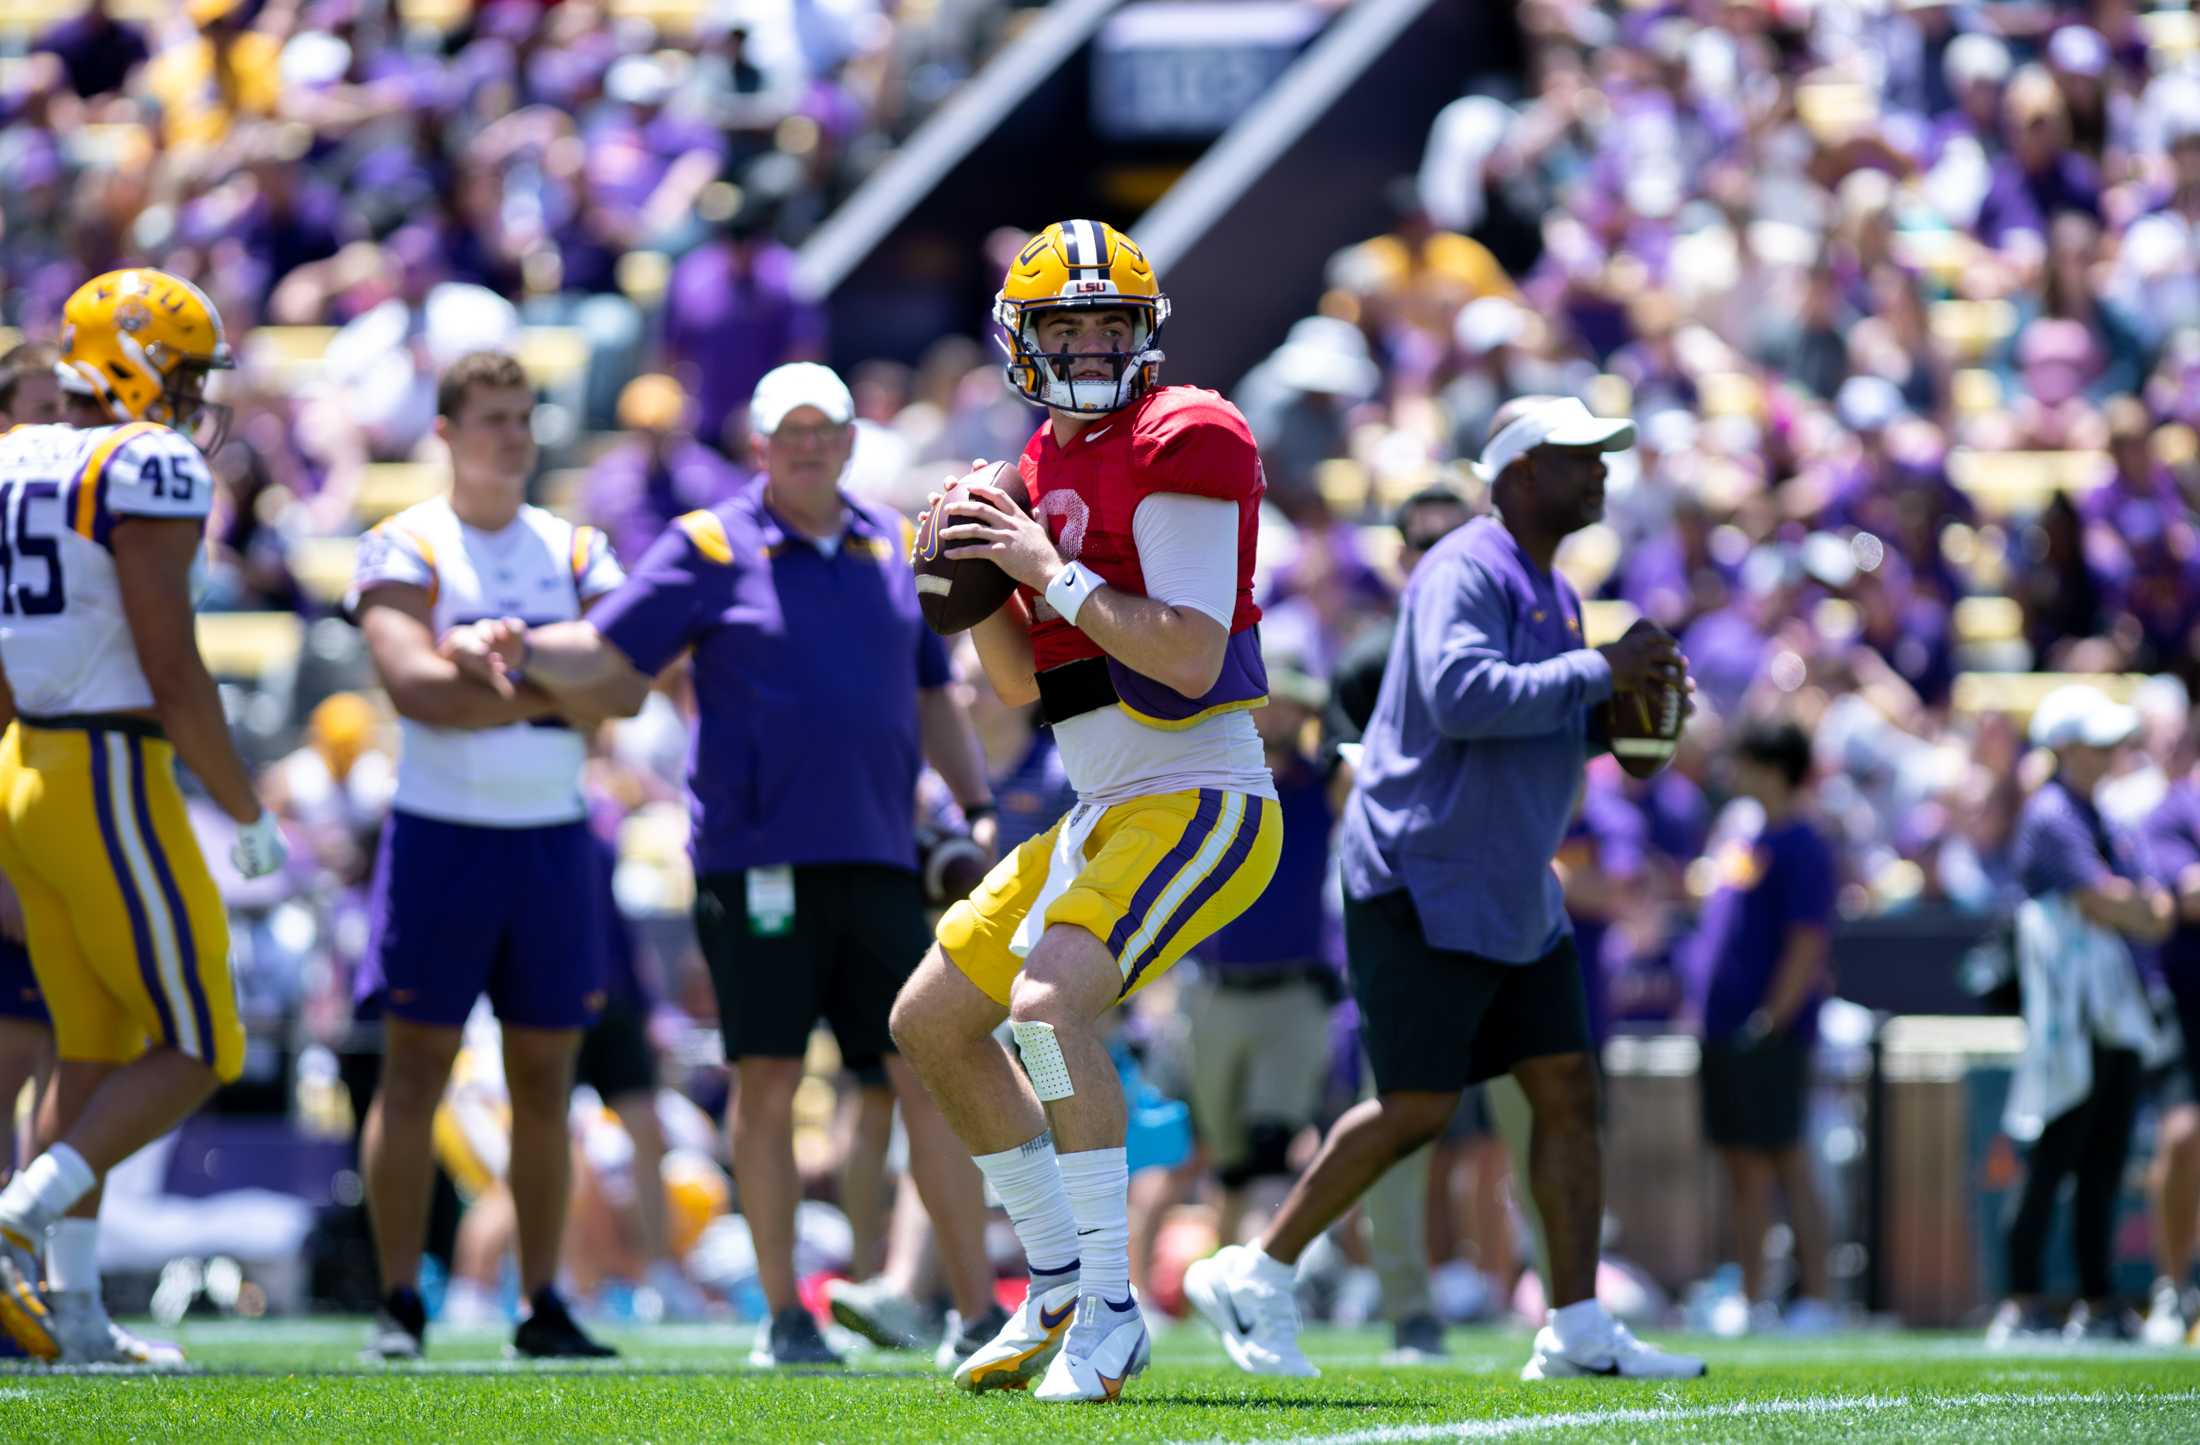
x=1609, y=1367
x=1083, y=1232
x=1114, y=1386
x=1051, y=1320
x=1238, y=1319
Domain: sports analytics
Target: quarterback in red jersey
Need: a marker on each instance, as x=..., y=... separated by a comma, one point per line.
x=1134, y=628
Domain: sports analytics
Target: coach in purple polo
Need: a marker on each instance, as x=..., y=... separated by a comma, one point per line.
x=1462, y=960
x=819, y=691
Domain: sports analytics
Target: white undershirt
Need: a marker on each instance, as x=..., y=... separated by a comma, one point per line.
x=1187, y=551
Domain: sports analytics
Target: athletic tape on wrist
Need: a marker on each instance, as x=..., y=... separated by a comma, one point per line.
x=1042, y=1054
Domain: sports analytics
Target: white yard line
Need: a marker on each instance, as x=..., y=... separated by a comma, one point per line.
x=1507, y=1426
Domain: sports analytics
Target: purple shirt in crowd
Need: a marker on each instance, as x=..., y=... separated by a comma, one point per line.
x=2063, y=844
x=2017, y=200
x=1475, y=751
x=807, y=662
x=1284, y=926
x=636, y=490
x=2170, y=839
x=725, y=328
x=1781, y=880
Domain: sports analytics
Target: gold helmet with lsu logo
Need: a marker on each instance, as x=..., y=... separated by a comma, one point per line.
x=1087, y=265
x=142, y=342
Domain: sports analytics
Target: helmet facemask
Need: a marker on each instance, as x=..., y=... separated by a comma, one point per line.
x=183, y=405
x=1045, y=376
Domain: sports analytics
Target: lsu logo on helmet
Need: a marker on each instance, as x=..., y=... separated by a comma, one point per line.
x=142, y=341
x=1085, y=264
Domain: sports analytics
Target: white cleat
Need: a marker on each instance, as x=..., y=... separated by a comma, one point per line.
x=88, y=1337
x=1026, y=1345
x=24, y=1314
x=1618, y=1354
x=1249, y=1299
x=1104, y=1348
x=2165, y=1322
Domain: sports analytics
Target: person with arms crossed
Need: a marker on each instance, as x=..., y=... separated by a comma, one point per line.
x=1134, y=628
x=1461, y=957
x=486, y=877
x=819, y=690
x=103, y=518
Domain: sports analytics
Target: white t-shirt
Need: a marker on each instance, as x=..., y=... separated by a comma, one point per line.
x=539, y=568
x=1187, y=552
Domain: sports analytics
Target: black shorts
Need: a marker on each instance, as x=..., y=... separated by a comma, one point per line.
x=858, y=932
x=1437, y=1019
x=1753, y=1094
x=2184, y=991
x=616, y=1058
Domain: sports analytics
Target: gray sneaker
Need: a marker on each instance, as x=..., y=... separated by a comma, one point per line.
x=881, y=1314
x=88, y=1337
x=791, y=1338
x=23, y=1308
x=962, y=1341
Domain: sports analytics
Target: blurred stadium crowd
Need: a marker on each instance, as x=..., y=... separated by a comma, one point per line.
x=1904, y=297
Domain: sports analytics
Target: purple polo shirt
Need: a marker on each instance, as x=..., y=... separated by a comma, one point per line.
x=807, y=666
x=1783, y=879
x=2063, y=844
x=1475, y=750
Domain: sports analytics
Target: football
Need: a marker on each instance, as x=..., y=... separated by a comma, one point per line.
x=957, y=595
x=1644, y=728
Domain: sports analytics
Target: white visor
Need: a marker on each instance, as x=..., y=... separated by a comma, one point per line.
x=1565, y=422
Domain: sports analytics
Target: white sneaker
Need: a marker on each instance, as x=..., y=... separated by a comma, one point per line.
x=1105, y=1347
x=88, y=1337
x=23, y=1309
x=1619, y=1353
x=2165, y=1323
x=1254, y=1309
x=1025, y=1346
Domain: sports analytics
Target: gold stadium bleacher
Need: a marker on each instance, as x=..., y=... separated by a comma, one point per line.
x=388, y=488
x=246, y=646
x=323, y=566
x=288, y=356
x=2018, y=484
x=2019, y=693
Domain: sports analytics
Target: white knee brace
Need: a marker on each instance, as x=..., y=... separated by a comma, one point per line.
x=1042, y=1054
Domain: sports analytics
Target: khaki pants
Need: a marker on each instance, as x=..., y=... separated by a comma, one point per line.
x=1258, y=1056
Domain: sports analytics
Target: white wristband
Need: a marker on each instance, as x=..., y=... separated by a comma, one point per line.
x=1069, y=589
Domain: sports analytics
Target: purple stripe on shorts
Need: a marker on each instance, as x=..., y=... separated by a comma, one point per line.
x=185, y=944
x=103, y=804
x=1176, y=861
x=1233, y=858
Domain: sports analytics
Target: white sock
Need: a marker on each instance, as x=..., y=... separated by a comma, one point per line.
x=1271, y=1270
x=47, y=1187
x=1581, y=1323
x=1098, y=1183
x=72, y=1255
x=1029, y=1183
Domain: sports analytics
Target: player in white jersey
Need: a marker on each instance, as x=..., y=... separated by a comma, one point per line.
x=100, y=525
x=485, y=882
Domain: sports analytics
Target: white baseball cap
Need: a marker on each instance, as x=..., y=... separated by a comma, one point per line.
x=1564, y=422
x=2081, y=715
x=799, y=383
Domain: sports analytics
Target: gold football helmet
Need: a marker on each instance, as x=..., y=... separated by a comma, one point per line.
x=1083, y=264
x=142, y=341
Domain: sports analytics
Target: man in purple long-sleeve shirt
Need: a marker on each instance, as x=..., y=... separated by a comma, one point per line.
x=1462, y=960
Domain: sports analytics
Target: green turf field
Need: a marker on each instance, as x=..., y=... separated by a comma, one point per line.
x=300, y=1381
